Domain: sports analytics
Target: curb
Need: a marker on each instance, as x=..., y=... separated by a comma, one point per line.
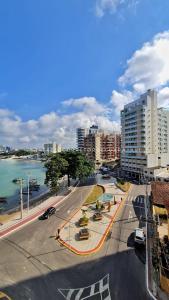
x=100, y=244
x=31, y=218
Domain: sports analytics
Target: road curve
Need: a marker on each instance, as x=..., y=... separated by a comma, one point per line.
x=34, y=266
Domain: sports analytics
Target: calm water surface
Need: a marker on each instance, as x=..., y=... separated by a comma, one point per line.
x=10, y=169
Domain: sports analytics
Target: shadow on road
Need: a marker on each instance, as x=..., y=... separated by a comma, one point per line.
x=138, y=206
x=130, y=241
x=118, y=266
x=140, y=250
x=88, y=181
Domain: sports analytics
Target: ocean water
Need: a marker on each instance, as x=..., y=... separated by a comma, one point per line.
x=10, y=169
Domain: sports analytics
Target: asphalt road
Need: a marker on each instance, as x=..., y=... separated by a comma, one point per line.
x=34, y=266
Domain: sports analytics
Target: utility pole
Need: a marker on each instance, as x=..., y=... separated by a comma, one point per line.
x=21, y=198
x=28, y=195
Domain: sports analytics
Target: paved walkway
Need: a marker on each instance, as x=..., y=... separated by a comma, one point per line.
x=15, y=222
x=69, y=233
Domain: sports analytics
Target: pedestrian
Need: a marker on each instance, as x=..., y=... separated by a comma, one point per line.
x=58, y=234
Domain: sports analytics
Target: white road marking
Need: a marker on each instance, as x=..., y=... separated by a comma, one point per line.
x=69, y=294
x=80, y=292
x=92, y=289
x=84, y=293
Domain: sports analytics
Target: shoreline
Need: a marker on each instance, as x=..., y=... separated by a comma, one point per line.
x=35, y=201
x=32, y=202
x=21, y=159
x=20, y=168
x=5, y=216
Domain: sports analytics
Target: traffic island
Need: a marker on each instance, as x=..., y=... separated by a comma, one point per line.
x=98, y=230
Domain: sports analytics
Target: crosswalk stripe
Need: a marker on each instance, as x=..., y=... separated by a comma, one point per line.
x=92, y=289
x=96, y=289
x=80, y=292
x=69, y=295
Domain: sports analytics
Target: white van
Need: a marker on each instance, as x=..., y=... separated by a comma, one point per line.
x=139, y=236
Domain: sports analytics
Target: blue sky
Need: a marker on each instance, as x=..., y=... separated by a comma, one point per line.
x=60, y=64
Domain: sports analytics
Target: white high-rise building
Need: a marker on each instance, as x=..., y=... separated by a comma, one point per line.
x=52, y=148
x=145, y=136
x=81, y=134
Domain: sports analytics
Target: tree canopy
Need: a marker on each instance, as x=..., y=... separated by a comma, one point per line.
x=72, y=163
x=22, y=152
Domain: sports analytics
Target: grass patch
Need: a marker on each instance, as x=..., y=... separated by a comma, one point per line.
x=96, y=192
x=122, y=185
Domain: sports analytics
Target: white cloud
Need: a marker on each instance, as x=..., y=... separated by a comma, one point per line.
x=54, y=126
x=25, y=139
x=119, y=99
x=111, y=6
x=5, y=113
x=106, y=5
x=88, y=104
x=163, y=97
x=149, y=66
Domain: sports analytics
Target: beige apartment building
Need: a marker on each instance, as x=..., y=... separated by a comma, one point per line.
x=102, y=147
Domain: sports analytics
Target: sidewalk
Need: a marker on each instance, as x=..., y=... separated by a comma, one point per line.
x=69, y=233
x=16, y=222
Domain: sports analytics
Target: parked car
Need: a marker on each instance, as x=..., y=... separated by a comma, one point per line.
x=84, y=234
x=139, y=236
x=83, y=221
x=97, y=216
x=106, y=176
x=49, y=212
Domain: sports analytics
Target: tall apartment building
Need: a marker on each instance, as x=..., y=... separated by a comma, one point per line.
x=93, y=129
x=110, y=146
x=52, y=148
x=100, y=147
x=145, y=135
x=81, y=133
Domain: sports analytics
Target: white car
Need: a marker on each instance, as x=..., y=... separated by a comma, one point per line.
x=139, y=236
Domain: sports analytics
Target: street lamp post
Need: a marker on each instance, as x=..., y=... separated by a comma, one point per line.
x=28, y=195
x=21, y=197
